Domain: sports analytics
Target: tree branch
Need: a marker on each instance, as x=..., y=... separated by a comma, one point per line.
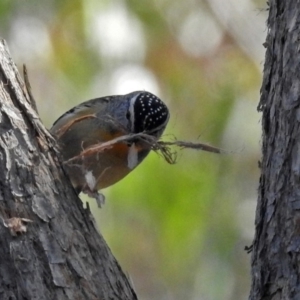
x=60, y=254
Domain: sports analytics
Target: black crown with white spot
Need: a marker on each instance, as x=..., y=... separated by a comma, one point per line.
x=150, y=114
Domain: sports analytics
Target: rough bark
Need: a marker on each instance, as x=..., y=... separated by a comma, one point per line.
x=276, y=248
x=60, y=255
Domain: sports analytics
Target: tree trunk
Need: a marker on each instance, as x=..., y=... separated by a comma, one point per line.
x=276, y=248
x=49, y=245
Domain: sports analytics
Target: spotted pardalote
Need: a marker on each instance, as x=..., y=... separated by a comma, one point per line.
x=103, y=119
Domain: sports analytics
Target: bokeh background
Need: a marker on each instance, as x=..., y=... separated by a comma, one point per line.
x=179, y=231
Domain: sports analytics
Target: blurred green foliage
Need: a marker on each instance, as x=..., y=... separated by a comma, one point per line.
x=179, y=230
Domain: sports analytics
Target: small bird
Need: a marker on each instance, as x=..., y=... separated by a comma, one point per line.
x=101, y=120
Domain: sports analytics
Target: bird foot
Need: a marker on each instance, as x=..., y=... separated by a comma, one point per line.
x=100, y=198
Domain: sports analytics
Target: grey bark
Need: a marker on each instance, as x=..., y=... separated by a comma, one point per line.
x=276, y=248
x=60, y=255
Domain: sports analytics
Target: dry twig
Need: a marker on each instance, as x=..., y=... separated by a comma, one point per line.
x=160, y=146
